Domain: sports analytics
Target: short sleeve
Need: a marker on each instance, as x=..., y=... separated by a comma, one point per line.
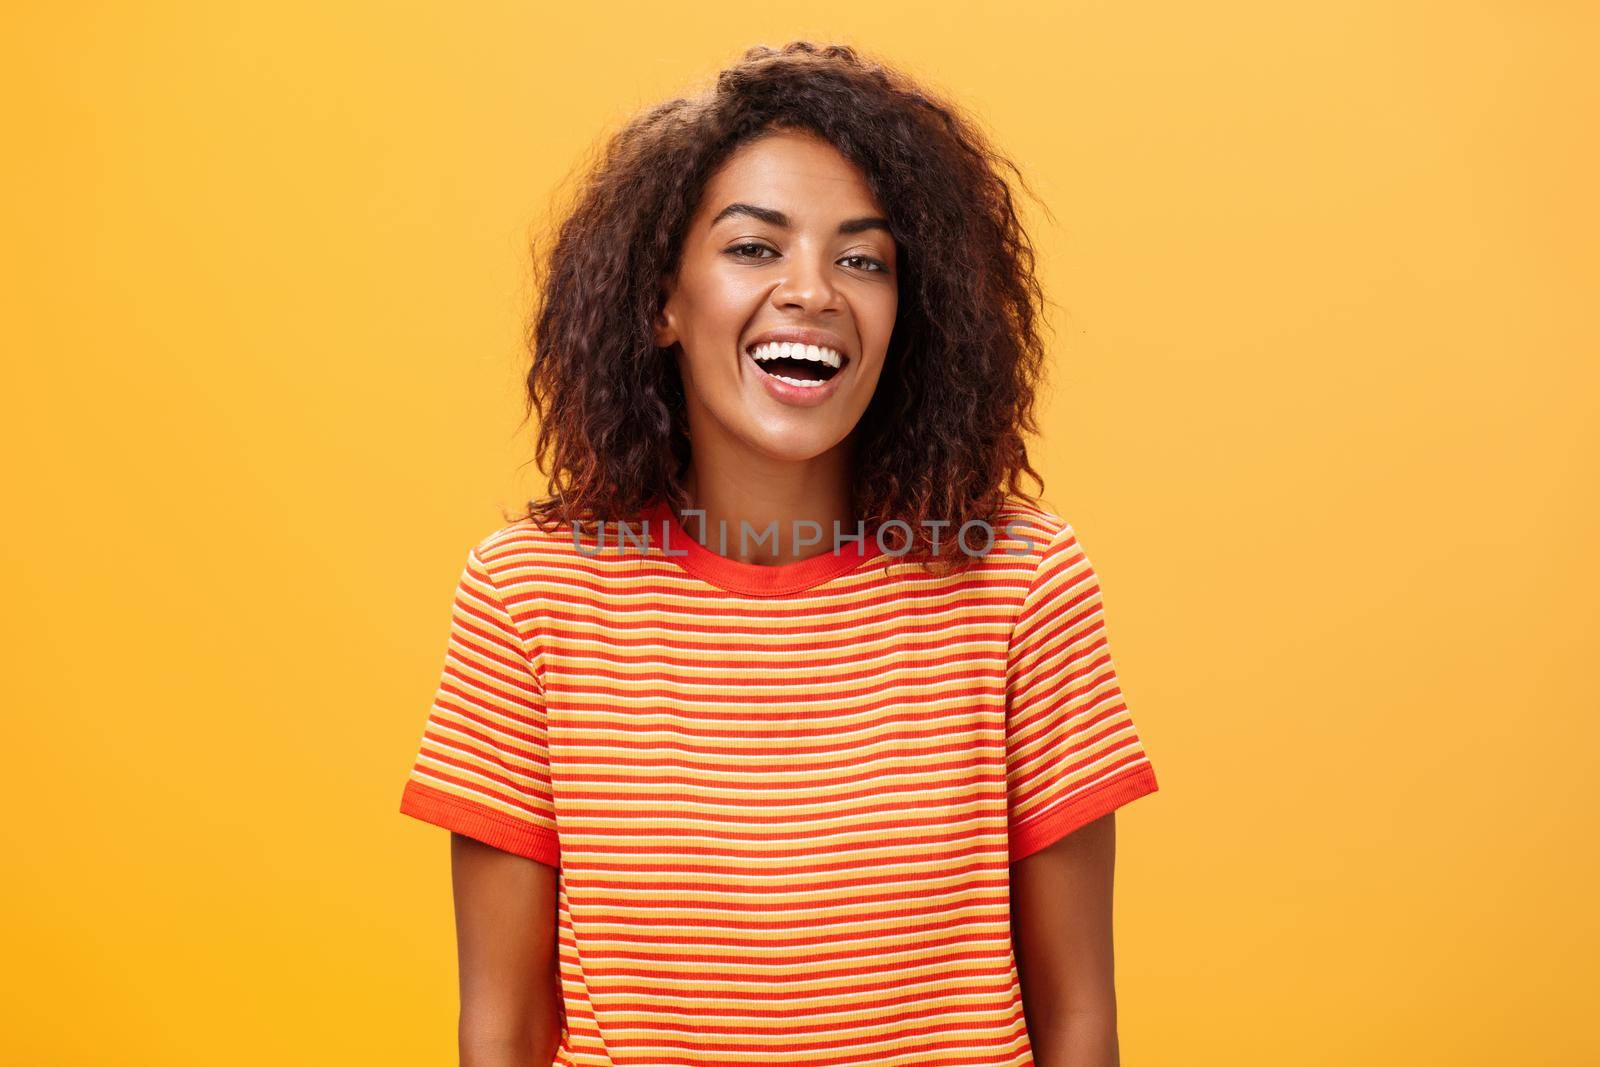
x=1072, y=753
x=483, y=766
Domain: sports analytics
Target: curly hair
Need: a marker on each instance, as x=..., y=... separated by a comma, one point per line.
x=941, y=439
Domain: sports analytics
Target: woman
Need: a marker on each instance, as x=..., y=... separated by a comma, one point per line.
x=830, y=780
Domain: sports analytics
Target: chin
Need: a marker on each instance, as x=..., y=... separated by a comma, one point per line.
x=791, y=445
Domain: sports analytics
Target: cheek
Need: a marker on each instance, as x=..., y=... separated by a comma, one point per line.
x=720, y=302
x=878, y=316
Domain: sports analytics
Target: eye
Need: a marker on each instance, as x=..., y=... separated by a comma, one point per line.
x=873, y=265
x=741, y=251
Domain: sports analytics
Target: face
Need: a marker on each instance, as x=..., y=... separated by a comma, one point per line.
x=788, y=246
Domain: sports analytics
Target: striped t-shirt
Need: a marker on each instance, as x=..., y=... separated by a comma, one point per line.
x=783, y=800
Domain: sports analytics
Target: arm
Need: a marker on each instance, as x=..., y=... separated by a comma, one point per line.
x=506, y=942
x=1061, y=931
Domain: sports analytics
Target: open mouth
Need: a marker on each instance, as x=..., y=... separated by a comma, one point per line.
x=807, y=366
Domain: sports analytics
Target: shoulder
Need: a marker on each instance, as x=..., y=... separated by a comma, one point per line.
x=531, y=572
x=524, y=551
x=1030, y=532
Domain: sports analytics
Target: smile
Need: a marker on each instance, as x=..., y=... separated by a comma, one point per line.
x=803, y=366
x=796, y=375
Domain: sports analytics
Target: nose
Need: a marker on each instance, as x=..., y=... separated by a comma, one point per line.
x=807, y=287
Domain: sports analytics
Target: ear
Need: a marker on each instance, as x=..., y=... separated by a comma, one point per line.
x=665, y=328
x=665, y=335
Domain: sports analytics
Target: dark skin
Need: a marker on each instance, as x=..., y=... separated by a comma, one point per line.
x=757, y=459
x=820, y=263
x=1061, y=934
x=506, y=945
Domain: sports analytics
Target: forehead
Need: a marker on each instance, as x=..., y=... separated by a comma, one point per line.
x=799, y=174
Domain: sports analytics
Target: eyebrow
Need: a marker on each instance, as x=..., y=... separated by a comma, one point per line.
x=777, y=218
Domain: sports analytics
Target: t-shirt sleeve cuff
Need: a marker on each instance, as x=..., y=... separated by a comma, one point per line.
x=480, y=823
x=1050, y=827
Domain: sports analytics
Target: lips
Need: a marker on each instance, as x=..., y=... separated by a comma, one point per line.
x=804, y=335
x=800, y=396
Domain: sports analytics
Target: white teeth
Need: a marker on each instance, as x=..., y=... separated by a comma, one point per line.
x=776, y=349
x=797, y=381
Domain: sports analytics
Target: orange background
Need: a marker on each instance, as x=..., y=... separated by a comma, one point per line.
x=1324, y=387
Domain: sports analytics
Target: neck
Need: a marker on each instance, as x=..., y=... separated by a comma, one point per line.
x=759, y=492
